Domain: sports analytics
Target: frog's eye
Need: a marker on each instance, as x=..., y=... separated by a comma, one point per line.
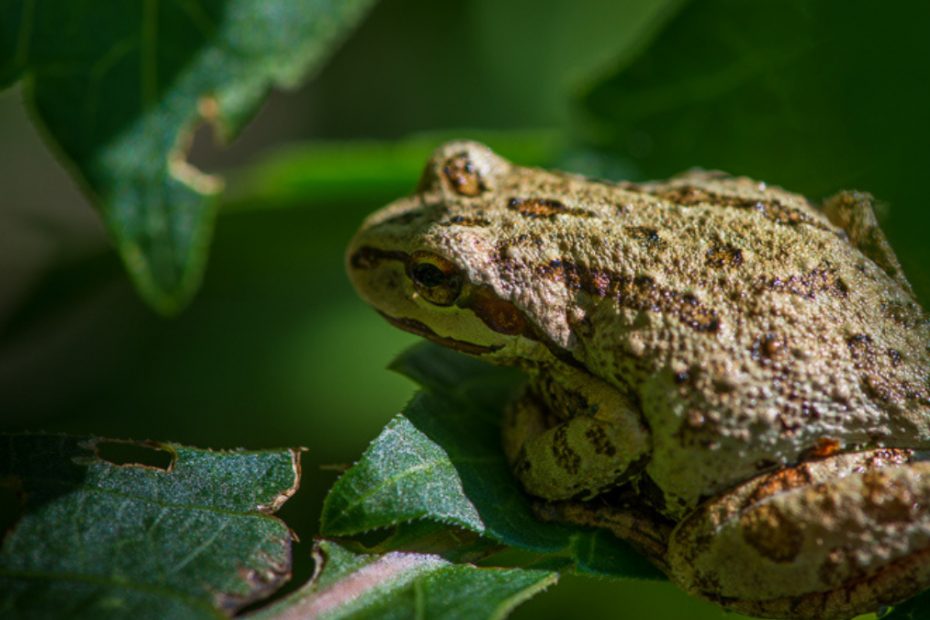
x=436, y=279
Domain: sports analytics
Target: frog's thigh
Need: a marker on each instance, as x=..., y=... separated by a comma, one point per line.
x=596, y=442
x=827, y=539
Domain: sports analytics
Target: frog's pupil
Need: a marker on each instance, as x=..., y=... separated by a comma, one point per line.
x=428, y=275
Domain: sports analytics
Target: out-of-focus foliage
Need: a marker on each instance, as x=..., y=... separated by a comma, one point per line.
x=918, y=608
x=365, y=171
x=119, y=87
x=192, y=539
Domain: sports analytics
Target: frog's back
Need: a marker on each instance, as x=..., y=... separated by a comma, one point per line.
x=753, y=331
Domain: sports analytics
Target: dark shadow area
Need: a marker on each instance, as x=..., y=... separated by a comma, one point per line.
x=65, y=285
x=11, y=506
x=37, y=470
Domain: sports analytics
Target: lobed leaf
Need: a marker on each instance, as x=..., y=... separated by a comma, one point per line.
x=94, y=539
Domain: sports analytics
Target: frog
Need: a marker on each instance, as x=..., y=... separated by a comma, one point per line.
x=729, y=376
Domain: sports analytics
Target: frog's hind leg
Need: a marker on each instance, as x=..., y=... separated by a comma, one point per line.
x=571, y=435
x=826, y=539
x=855, y=214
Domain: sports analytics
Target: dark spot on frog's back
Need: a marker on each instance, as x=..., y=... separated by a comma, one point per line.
x=860, y=348
x=564, y=455
x=769, y=208
x=895, y=356
x=648, y=236
x=639, y=293
x=821, y=280
x=767, y=347
x=771, y=533
x=878, y=376
x=888, y=499
x=544, y=208
x=461, y=220
x=600, y=441
x=462, y=175
x=724, y=255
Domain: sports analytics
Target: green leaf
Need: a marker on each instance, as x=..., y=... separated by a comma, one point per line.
x=441, y=460
x=813, y=96
x=119, y=87
x=366, y=171
x=405, y=585
x=408, y=467
x=193, y=538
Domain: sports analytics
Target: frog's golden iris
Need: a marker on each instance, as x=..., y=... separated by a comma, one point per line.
x=436, y=279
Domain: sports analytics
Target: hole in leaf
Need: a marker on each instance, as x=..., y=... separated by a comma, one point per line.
x=134, y=454
x=11, y=508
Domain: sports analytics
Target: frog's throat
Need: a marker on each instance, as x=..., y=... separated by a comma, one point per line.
x=421, y=329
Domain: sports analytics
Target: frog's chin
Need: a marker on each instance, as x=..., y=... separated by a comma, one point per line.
x=421, y=329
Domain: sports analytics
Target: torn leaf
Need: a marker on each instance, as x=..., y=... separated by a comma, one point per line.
x=120, y=86
x=97, y=539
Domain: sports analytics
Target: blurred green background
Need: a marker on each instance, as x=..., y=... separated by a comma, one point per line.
x=276, y=349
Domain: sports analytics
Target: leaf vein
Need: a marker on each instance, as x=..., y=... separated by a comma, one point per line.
x=199, y=549
x=427, y=466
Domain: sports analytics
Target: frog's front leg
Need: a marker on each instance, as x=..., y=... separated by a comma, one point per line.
x=573, y=435
x=826, y=539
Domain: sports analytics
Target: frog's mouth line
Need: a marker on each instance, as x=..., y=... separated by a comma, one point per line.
x=421, y=329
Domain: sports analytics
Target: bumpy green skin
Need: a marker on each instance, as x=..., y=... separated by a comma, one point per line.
x=683, y=338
